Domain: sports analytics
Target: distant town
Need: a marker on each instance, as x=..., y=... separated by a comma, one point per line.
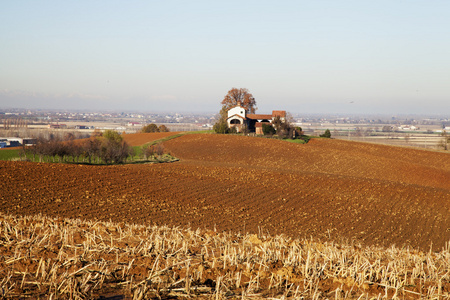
x=418, y=131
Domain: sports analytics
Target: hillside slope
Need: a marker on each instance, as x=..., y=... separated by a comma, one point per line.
x=371, y=192
x=325, y=189
x=323, y=156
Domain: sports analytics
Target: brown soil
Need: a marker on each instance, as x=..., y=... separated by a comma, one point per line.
x=335, y=189
x=139, y=139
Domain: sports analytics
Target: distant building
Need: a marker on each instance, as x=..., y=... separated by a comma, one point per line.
x=407, y=128
x=238, y=117
x=28, y=141
x=16, y=142
x=57, y=126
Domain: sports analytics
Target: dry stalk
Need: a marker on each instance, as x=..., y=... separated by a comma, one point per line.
x=47, y=257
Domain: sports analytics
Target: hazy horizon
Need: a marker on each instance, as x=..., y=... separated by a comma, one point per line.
x=329, y=57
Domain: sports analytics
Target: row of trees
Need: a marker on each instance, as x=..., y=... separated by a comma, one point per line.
x=16, y=123
x=108, y=147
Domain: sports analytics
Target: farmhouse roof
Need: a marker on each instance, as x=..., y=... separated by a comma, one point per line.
x=279, y=113
x=259, y=117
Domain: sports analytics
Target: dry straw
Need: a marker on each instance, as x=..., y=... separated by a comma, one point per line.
x=72, y=259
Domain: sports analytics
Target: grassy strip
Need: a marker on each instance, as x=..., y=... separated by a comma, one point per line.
x=13, y=154
x=296, y=141
x=138, y=150
x=155, y=142
x=199, y=132
x=304, y=139
x=165, y=158
x=8, y=154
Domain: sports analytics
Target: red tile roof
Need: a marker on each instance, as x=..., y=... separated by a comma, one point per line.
x=259, y=117
x=279, y=113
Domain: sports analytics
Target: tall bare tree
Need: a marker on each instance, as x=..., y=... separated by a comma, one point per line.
x=240, y=97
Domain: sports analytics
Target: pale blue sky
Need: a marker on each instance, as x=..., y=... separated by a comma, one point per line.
x=302, y=56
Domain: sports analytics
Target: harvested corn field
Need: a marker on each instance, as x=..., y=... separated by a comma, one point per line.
x=59, y=258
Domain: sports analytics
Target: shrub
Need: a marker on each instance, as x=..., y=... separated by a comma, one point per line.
x=326, y=134
x=232, y=130
x=163, y=128
x=150, y=128
x=299, y=131
x=221, y=126
x=268, y=129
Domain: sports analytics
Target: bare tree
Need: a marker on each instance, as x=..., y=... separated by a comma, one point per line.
x=283, y=128
x=445, y=141
x=159, y=150
x=91, y=148
x=407, y=137
x=148, y=151
x=240, y=97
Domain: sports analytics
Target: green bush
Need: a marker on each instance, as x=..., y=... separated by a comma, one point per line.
x=268, y=129
x=327, y=134
x=305, y=138
x=220, y=126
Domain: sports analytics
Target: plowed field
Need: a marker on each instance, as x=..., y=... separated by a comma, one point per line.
x=139, y=139
x=326, y=189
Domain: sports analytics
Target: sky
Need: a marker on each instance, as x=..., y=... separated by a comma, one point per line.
x=321, y=56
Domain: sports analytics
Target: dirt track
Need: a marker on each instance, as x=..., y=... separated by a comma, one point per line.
x=327, y=188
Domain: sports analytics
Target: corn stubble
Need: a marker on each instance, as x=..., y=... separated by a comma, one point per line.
x=59, y=258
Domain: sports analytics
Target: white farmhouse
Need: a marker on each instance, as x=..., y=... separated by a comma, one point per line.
x=238, y=116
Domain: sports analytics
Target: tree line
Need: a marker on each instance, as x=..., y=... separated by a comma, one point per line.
x=107, y=147
x=16, y=123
